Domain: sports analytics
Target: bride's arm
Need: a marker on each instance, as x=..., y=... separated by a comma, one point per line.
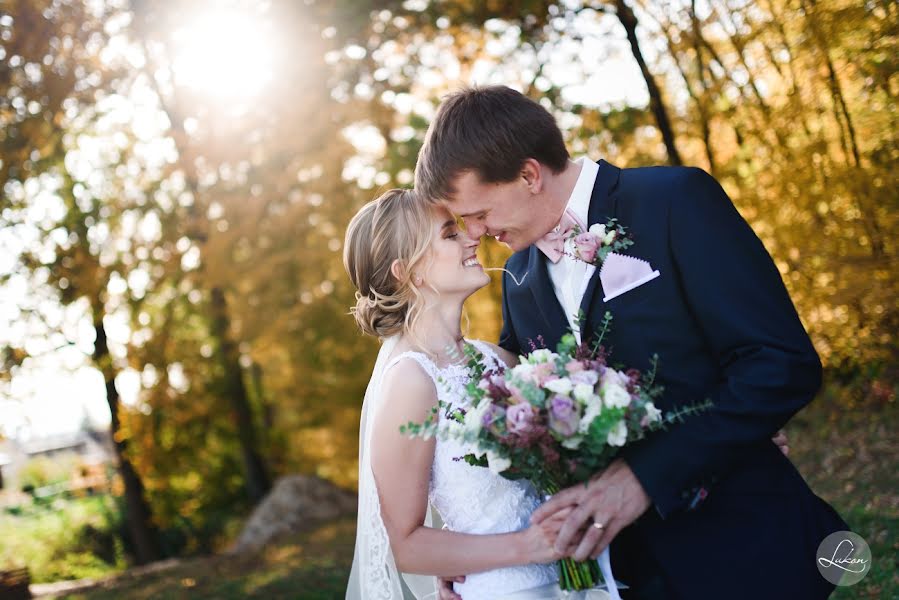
x=402, y=470
x=504, y=355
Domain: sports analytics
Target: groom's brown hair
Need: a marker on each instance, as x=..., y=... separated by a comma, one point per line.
x=491, y=131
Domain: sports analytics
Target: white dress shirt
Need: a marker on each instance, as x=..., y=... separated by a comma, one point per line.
x=570, y=276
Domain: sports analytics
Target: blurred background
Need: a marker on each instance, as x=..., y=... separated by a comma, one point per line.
x=176, y=180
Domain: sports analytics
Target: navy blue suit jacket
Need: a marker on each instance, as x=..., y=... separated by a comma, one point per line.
x=725, y=329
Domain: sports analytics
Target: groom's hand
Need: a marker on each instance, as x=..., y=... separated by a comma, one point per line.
x=614, y=500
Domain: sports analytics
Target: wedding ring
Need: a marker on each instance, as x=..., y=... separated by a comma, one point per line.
x=598, y=525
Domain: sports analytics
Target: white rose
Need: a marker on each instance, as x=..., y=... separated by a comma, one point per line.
x=540, y=356
x=475, y=415
x=593, y=410
x=618, y=435
x=573, y=443
x=523, y=371
x=559, y=386
x=582, y=393
x=653, y=413
x=610, y=237
x=615, y=396
x=497, y=463
x=611, y=376
x=598, y=230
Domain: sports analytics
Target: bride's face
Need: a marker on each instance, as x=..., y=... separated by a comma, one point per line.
x=452, y=267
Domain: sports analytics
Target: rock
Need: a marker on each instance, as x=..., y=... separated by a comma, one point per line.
x=295, y=503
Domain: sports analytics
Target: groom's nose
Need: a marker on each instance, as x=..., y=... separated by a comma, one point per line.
x=475, y=230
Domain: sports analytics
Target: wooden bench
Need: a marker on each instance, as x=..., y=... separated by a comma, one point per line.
x=14, y=584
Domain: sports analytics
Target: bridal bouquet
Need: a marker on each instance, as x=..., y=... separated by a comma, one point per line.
x=556, y=419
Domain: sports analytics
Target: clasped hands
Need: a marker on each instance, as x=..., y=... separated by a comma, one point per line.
x=604, y=506
x=613, y=499
x=596, y=512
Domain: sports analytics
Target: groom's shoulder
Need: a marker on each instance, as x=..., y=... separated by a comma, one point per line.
x=518, y=261
x=665, y=177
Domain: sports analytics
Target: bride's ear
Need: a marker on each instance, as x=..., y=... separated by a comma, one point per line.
x=398, y=270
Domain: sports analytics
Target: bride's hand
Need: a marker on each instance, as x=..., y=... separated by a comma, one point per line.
x=540, y=538
x=445, y=587
x=782, y=442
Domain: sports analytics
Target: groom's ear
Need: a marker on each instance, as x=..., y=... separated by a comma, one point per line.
x=532, y=174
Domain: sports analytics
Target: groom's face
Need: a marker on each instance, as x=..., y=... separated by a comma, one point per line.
x=500, y=210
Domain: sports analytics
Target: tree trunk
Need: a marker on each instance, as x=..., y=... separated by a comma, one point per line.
x=835, y=88
x=866, y=208
x=257, y=479
x=629, y=20
x=701, y=98
x=144, y=534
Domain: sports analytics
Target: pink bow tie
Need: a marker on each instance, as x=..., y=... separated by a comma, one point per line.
x=553, y=243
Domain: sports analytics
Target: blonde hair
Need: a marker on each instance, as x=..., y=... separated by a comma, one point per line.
x=394, y=227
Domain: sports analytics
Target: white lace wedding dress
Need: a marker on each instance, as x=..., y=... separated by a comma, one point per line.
x=469, y=500
x=474, y=499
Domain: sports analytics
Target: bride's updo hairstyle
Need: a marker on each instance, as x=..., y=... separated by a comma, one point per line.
x=394, y=227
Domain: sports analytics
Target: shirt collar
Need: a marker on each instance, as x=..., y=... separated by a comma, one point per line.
x=579, y=201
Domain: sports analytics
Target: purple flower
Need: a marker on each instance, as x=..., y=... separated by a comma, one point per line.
x=585, y=377
x=563, y=416
x=522, y=418
x=493, y=418
x=585, y=246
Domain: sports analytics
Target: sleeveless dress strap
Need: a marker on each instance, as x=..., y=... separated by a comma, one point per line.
x=423, y=361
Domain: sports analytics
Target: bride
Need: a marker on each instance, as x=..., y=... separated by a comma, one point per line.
x=413, y=269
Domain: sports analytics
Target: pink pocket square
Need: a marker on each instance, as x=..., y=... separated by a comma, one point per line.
x=620, y=274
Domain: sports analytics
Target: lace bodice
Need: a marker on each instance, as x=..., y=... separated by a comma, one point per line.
x=473, y=499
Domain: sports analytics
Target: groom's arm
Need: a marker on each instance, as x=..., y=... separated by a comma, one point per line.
x=507, y=337
x=769, y=368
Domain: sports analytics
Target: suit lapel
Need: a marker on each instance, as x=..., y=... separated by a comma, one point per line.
x=545, y=297
x=602, y=208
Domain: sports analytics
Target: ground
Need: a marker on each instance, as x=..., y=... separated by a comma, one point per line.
x=848, y=455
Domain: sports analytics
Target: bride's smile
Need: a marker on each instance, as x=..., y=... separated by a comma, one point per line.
x=452, y=269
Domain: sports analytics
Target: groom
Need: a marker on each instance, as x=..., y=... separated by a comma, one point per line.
x=709, y=508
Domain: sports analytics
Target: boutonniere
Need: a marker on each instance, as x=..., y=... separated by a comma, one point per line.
x=595, y=244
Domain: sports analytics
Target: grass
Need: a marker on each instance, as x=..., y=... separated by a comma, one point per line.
x=63, y=539
x=313, y=565
x=848, y=454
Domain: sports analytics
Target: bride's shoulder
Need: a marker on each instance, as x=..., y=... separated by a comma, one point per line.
x=496, y=352
x=409, y=375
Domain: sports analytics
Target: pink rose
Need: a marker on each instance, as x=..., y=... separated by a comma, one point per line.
x=586, y=245
x=521, y=418
x=543, y=373
x=574, y=366
x=516, y=397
